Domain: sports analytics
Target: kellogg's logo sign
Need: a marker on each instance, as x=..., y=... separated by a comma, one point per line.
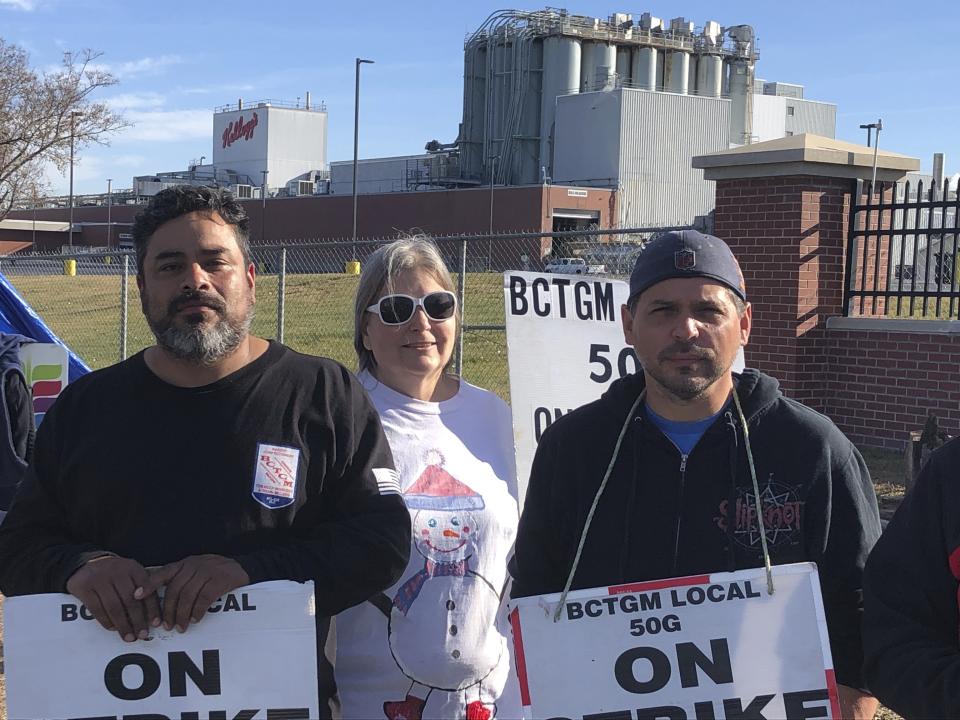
x=239, y=129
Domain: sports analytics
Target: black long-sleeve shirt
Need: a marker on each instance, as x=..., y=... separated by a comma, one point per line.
x=127, y=464
x=911, y=615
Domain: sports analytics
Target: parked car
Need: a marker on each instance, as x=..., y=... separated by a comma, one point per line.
x=573, y=266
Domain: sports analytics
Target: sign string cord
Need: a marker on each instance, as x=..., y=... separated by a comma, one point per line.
x=756, y=493
x=596, y=501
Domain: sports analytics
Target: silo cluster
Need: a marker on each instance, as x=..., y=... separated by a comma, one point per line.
x=517, y=63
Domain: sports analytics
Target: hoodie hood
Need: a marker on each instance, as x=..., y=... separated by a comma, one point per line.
x=10, y=349
x=757, y=393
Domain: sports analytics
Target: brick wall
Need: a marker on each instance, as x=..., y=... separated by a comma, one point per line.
x=881, y=385
x=790, y=235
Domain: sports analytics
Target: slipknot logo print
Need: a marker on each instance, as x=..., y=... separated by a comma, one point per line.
x=782, y=515
x=239, y=129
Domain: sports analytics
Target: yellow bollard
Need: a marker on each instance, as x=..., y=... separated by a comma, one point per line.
x=353, y=267
x=70, y=267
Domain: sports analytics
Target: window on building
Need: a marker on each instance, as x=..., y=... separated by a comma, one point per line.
x=790, y=110
x=789, y=133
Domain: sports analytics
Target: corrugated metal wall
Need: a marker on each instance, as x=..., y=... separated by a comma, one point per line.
x=659, y=134
x=768, y=117
x=808, y=116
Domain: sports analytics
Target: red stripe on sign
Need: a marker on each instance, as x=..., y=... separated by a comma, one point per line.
x=658, y=584
x=955, y=563
x=834, y=695
x=521, y=662
x=46, y=388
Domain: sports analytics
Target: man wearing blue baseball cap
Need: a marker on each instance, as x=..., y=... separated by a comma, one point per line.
x=678, y=449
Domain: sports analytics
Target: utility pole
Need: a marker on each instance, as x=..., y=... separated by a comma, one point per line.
x=356, y=146
x=109, y=208
x=263, y=206
x=73, y=121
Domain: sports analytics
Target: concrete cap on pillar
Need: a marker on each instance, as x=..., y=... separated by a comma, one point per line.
x=804, y=155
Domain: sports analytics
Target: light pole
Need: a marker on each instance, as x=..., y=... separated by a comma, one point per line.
x=879, y=126
x=109, y=207
x=356, y=145
x=73, y=118
x=263, y=208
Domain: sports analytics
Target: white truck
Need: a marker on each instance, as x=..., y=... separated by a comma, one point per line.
x=573, y=266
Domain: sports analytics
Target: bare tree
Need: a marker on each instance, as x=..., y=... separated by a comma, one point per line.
x=42, y=112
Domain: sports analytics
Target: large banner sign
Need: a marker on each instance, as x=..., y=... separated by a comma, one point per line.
x=564, y=345
x=697, y=648
x=253, y=656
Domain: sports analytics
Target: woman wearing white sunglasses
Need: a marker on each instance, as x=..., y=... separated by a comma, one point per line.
x=433, y=645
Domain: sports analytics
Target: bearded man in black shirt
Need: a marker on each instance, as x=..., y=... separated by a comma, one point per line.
x=211, y=460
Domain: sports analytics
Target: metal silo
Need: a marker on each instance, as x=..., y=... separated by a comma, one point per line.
x=528, y=94
x=644, y=71
x=561, y=76
x=598, y=62
x=710, y=75
x=676, y=71
x=623, y=66
x=474, y=109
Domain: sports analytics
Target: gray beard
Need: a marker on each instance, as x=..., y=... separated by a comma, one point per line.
x=203, y=345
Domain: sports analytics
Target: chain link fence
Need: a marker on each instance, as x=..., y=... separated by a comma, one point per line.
x=305, y=293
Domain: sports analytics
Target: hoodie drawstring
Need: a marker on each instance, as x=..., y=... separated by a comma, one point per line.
x=596, y=501
x=756, y=493
x=730, y=514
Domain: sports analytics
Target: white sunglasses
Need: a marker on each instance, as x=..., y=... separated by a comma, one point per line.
x=398, y=308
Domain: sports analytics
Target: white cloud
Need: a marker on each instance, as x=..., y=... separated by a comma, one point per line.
x=168, y=125
x=133, y=101
x=26, y=5
x=145, y=66
x=218, y=89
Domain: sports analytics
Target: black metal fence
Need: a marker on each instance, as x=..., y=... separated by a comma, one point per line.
x=902, y=251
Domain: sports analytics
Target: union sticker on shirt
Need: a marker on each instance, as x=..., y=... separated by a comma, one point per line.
x=275, y=481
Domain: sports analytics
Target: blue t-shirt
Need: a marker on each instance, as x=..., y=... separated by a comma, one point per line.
x=684, y=434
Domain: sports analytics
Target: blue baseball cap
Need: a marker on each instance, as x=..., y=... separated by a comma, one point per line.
x=686, y=254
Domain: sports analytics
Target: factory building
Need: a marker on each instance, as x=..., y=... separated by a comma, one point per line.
x=279, y=145
x=550, y=97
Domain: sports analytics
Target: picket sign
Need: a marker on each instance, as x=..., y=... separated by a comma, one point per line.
x=565, y=346
x=704, y=647
x=254, y=655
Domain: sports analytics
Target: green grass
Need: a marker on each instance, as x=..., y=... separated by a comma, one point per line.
x=947, y=311
x=318, y=318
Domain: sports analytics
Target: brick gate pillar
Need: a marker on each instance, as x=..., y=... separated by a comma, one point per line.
x=784, y=206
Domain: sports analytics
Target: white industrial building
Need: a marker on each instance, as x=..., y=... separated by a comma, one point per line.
x=616, y=139
x=279, y=145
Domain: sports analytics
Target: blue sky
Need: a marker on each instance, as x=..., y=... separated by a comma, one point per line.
x=177, y=60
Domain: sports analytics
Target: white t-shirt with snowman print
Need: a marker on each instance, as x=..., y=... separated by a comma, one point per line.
x=435, y=645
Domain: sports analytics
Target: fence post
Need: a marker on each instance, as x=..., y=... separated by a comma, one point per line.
x=124, y=281
x=281, y=292
x=461, y=284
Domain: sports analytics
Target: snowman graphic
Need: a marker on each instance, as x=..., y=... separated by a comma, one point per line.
x=445, y=603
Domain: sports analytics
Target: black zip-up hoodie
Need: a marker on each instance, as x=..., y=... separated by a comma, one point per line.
x=666, y=515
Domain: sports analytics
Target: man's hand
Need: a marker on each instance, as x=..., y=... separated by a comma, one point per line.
x=856, y=704
x=192, y=585
x=111, y=588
